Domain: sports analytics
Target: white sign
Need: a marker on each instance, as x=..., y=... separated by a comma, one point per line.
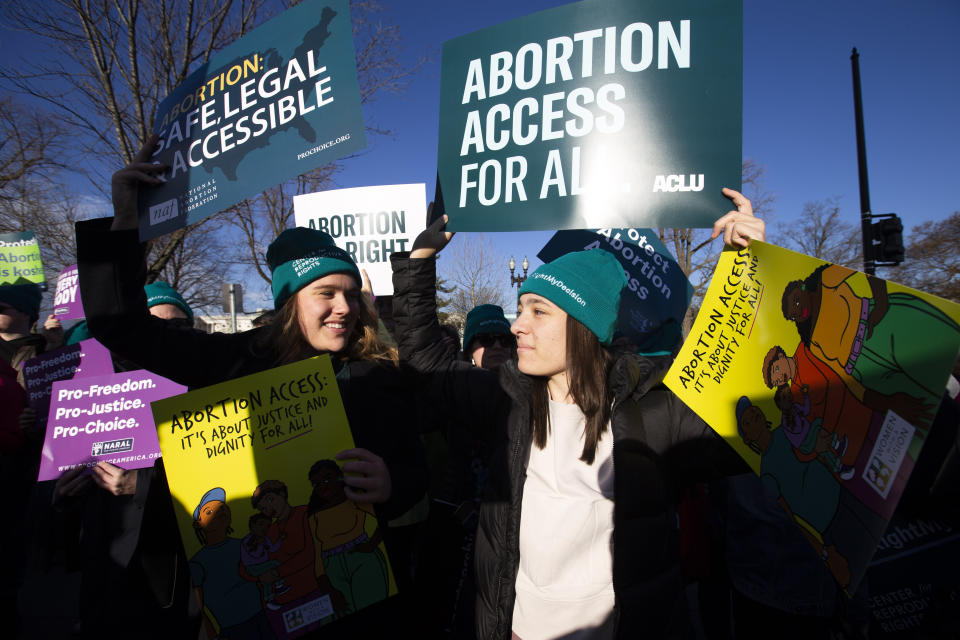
x=369, y=223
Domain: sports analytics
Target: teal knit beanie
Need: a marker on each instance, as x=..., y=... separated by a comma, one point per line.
x=25, y=298
x=484, y=318
x=299, y=256
x=585, y=284
x=160, y=292
x=76, y=333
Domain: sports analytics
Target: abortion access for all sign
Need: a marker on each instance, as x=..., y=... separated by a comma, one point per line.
x=614, y=114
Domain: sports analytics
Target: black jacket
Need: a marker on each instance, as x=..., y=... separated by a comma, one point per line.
x=112, y=273
x=659, y=447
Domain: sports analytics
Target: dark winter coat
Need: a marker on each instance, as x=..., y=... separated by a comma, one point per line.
x=659, y=446
x=112, y=272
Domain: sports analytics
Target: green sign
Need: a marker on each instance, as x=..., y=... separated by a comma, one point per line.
x=611, y=114
x=20, y=259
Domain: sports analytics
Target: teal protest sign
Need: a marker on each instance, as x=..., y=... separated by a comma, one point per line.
x=593, y=114
x=657, y=293
x=20, y=259
x=277, y=103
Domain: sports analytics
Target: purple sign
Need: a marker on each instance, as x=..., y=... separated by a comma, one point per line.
x=103, y=418
x=85, y=358
x=66, y=302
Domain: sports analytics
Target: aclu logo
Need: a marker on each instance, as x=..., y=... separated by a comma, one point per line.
x=164, y=211
x=673, y=183
x=111, y=446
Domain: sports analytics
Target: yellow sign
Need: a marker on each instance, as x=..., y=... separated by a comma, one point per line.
x=825, y=381
x=271, y=537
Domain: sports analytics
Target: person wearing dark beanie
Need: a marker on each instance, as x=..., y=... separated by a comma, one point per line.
x=586, y=285
x=319, y=310
x=486, y=336
x=19, y=310
x=166, y=302
x=577, y=534
x=24, y=298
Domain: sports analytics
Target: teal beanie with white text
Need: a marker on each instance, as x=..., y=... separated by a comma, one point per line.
x=160, y=292
x=585, y=284
x=299, y=256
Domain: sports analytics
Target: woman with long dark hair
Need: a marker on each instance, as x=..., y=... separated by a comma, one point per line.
x=320, y=309
x=578, y=535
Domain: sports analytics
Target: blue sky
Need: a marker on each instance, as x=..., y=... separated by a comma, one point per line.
x=798, y=120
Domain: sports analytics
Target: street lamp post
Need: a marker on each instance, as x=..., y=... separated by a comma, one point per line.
x=518, y=279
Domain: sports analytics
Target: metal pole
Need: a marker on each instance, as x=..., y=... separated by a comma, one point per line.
x=865, y=217
x=233, y=306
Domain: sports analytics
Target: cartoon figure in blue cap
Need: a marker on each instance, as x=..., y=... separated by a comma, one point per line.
x=228, y=595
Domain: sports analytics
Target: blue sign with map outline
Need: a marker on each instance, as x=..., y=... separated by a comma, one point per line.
x=279, y=102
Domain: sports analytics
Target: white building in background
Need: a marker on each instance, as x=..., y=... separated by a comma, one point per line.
x=223, y=322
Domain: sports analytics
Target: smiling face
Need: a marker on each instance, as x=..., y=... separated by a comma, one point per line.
x=798, y=305
x=541, y=332
x=328, y=309
x=214, y=519
x=781, y=370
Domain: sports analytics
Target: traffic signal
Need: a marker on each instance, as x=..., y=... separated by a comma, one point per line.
x=888, y=240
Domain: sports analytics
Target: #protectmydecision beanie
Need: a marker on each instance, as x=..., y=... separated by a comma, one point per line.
x=585, y=284
x=299, y=256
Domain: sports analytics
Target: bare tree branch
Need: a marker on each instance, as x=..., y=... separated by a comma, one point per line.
x=821, y=232
x=475, y=272
x=379, y=69
x=932, y=262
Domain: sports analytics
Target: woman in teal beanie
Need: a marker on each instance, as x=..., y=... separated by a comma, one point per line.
x=319, y=310
x=577, y=535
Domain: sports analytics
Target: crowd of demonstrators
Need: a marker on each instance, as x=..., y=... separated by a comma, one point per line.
x=555, y=461
x=560, y=419
x=457, y=460
x=118, y=528
x=319, y=309
x=20, y=438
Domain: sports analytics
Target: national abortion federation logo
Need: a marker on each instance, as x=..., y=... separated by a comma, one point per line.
x=111, y=446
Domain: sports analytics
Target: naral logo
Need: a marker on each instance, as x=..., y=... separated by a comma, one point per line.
x=673, y=183
x=111, y=446
x=163, y=211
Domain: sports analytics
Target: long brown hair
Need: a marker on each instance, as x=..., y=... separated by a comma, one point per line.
x=588, y=367
x=284, y=339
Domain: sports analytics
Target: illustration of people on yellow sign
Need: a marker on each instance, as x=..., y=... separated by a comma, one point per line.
x=826, y=381
x=227, y=593
x=309, y=555
x=349, y=558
